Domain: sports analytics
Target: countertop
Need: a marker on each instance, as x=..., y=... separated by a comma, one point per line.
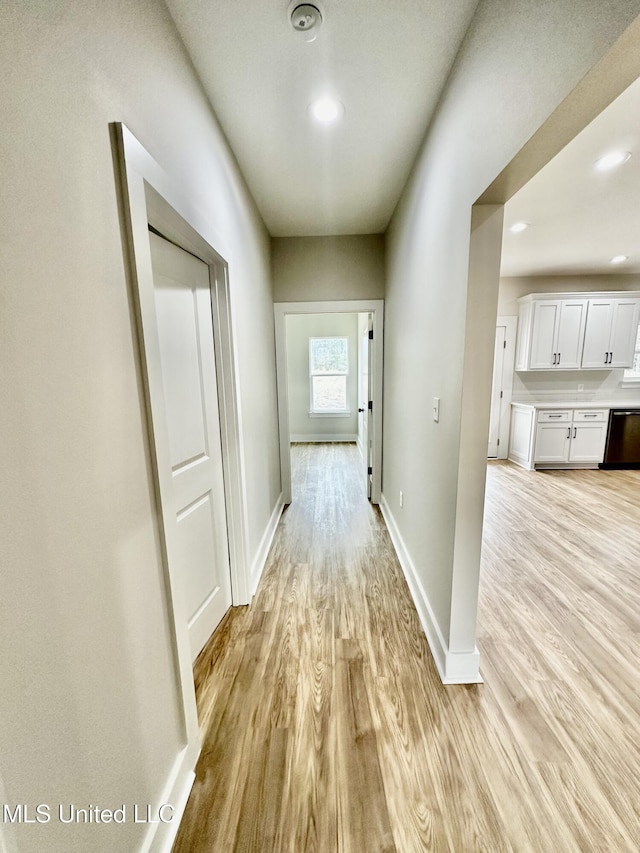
x=578, y=404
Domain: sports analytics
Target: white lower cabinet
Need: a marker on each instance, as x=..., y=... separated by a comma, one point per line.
x=588, y=436
x=558, y=437
x=552, y=443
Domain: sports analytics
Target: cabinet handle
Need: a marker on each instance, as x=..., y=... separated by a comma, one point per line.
x=575, y=431
x=610, y=357
x=568, y=432
x=559, y=354
x=554, y=358
x=555, y=416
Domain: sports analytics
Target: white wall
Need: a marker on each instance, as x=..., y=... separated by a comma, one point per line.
x=518, y=61
x=88, y=704
x=299, y=328
x=328, y=268
x=597, y=384
x=512, y=288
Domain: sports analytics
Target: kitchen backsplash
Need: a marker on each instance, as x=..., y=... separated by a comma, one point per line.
x=574, y=385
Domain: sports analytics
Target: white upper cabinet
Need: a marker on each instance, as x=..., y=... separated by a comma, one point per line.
x=610, y=336
x=573, y=314
x=557, y=335
x=579, y=331
x=544, y=333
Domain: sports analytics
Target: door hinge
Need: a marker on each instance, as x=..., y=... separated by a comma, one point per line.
x=501, y=393
x=370, y=405
x=504, y=344
x=369, y=470
x=370, y=334
x=498, y=443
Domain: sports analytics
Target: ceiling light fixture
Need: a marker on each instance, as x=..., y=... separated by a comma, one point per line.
x=518, y=227
x=306, y=19
x=619, y=259
x=611, y=160
x=326, y=110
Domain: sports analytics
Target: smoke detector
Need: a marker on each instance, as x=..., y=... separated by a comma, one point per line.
x=306, y=19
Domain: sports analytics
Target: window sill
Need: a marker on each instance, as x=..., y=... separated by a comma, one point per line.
x=329, y=414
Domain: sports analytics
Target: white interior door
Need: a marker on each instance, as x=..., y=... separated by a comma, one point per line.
x=362, y=389
x=185, y=330
x=364, y=396
x=497, y=391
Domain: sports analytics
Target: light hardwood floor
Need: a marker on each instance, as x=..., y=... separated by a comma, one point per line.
x=327, y=728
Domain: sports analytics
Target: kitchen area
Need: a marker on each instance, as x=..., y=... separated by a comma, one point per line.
x=566, y=342
x=566, y=385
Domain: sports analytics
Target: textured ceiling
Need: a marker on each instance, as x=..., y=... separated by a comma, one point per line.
x=386, y=60
x=580, y=218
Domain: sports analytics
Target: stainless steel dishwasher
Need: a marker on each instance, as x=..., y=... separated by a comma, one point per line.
x=623, y=439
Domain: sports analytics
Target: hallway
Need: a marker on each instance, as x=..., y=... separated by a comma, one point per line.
x=313, y=697
x=326, y=727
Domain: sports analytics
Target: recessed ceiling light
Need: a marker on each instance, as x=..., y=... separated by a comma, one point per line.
x=619, y=259
x=518, y=227
x=327, y=110
x=611, y=160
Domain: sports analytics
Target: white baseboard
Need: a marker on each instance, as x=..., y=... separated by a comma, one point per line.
x=260, y=560
x=318, y=437
x=453, y=667
x=160, y=836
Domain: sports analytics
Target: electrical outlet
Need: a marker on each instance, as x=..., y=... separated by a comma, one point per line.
x=436, y=409
x=401, y=498
x=580, y=386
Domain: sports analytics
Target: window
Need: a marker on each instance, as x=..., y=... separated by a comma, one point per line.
x=328, y=372
x=633, y=373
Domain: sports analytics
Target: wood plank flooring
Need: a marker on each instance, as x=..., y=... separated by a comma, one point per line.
x=325, y=725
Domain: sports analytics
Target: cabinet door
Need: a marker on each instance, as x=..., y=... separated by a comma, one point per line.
x=624, y=328
x=546, y=316
x=552, y=442
x=570, y=336
x=595, y=353
x=587, y=442
x=523, y=344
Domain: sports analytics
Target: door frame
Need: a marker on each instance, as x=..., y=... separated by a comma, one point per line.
x=147, y=197
x=353, y=306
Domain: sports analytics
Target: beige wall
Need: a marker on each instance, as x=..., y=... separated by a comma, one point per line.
x=518, y=61
x=328, y=268
x=301, y=327
x=88, y=706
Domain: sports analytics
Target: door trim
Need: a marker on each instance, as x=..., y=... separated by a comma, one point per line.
x=148, y=196
x=357, y=306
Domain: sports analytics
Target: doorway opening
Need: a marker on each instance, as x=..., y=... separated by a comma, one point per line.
x=328, y=382
x=152, y=207
x=329, y=358
x=486, y=301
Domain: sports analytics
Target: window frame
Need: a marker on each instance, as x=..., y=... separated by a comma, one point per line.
x=632, y=381
x=328, y=413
